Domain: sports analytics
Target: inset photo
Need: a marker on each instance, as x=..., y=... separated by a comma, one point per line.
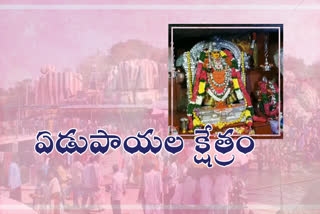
x=228, y=76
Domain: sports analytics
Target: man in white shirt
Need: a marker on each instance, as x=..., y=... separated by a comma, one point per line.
x=206, y=186
x=176, y=199
x=221, y=189
x=14, y=180
x=172, y=180
x=90, y=183
x=76, y=173
x=152, y=190
x=54, y=192
x=190, y=191
x=118, y=189
x=172, y=174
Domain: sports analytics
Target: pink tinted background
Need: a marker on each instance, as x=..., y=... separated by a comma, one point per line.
x=280, y=173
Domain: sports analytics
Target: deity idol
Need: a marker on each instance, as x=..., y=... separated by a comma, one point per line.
x=213, y=74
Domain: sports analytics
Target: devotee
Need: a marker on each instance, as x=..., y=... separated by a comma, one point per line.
x=152, y=190
x=129, y=168
x=76, y=173
x=189, y=191
x=97, y=191
x=206, y=188
x=118, y=189
x=171, y=179
x=63, y=178
x=89, y=182
x=172, y=175
x=221, y=188
x=14, y=179
x=176, y=199
x=54, y=192
x=41, y=197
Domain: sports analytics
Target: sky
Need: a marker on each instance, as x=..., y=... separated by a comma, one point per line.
x=31, y=38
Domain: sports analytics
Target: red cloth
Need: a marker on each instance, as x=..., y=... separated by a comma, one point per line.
x=200, y=73
x=243, y=89
x=259, y=119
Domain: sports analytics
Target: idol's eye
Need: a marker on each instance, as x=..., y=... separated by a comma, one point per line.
x=215, y=52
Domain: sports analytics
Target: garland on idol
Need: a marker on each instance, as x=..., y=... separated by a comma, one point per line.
x=207, y=83
x=269, y=104
x=190, y=75
x=243, y=69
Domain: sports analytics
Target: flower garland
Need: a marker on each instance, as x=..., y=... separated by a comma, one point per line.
x=195, y=96
x=269, y=107
x=226, y=78
x=246, y=99
x=221, y=95
x=237, y=83
x=226, y=94
x=196, y=121
x=190, y=74
x=204, y=82
x=245, y=102
x=243, y=69
x=213, y=89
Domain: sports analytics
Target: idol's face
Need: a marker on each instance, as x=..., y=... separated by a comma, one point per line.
x=216, y=54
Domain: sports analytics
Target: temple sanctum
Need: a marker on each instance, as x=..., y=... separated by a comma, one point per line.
x=228, y=78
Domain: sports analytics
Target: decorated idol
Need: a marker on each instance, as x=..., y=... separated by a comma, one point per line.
x=217, y=95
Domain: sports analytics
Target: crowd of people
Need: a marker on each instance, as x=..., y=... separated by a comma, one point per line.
x=163, y=183
x=299, y=150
